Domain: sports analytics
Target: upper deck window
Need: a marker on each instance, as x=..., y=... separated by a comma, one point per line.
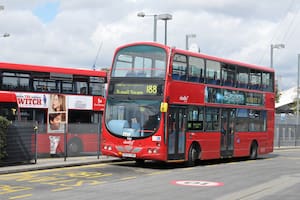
x=196, y=69
x=140, y=61
x=213, y=71
x=15, y=81
x=255, y=79
x=267, y=82
x=228, y=74
x=242, y=77
x=179, y=67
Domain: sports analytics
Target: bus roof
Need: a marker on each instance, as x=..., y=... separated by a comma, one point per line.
x=224, y=60
x=8, y=97
x=202, y=55
x=63, y=70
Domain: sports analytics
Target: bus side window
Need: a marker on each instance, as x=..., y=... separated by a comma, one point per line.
x=179, y=67
x=213, y=69
x=228, y=75
x=267, y=82
x=255, y=80
x=196, y=69
x=242, y=77
x=83, y=90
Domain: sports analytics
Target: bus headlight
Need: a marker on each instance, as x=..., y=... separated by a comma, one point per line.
x=107, y=147
x=151, y=151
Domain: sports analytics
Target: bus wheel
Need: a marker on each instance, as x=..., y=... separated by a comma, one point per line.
x=193, y=156
x=253, y=151
x=74, y=147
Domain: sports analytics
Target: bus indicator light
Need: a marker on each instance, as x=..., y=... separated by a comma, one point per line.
x=164, y=107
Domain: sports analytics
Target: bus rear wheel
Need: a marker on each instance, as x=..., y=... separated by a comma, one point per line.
x=74, y=147
x=253, y=151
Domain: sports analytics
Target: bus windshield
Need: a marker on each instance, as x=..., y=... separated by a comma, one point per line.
x=140, y=61
x=132, y=118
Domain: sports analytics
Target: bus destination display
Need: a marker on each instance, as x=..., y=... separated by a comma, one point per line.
x=136, y=89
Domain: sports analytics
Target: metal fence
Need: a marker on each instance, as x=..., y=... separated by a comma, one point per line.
x=287, y=131
x=18, y=144
x=26, y=144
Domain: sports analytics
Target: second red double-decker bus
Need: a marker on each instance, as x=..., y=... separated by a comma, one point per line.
x=169, y=104
x=66, y=104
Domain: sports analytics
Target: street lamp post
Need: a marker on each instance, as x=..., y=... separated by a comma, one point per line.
x=156, y=17
x=187, y=36
x=165, y=17
x=275, y=46
x=298, y=81
x=5, y=34
x=142, y=14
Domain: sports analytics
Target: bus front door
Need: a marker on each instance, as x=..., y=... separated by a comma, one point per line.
x=176, y=133
x=227, y=132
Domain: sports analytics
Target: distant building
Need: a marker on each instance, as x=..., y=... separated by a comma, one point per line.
x=287, y=101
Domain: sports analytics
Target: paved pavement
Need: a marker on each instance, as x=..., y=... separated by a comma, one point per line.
x=50, y=163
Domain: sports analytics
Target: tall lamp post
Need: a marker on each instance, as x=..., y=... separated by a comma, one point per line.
x=165, y=17
x=142, y=14
x=275, y=46
x=187, y=37
x=298, y=94
x=157, y=17
x=5, y=34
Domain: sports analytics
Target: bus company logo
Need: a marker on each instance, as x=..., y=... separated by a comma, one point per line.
x=128, y=142
x=184, y=98
x=99, y=101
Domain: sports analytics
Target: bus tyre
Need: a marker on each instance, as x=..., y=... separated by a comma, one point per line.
x=192, y=156
x=74, y=147
x=253, y=151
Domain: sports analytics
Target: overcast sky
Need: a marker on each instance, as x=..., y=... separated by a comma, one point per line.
x=68, y=33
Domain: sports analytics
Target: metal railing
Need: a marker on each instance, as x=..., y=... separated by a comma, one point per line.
x=287, y=131
x=26, y=142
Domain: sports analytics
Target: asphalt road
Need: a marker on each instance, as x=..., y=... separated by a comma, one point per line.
x=274, y=176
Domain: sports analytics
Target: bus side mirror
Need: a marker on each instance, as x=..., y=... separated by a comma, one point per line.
x=163, y=107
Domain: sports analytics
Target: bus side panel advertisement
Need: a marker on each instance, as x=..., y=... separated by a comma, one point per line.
x=81, y=102
x=33, y=100
x=57, y=113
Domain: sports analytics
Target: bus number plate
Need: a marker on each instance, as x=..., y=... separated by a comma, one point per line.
x=129, y=155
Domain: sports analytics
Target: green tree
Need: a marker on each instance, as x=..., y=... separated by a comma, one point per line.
x=4, y=123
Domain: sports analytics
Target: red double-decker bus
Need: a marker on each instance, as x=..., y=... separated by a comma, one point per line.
x=65, y=103
x=169, y=105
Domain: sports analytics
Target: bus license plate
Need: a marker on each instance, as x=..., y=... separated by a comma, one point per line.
x=129, y=155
